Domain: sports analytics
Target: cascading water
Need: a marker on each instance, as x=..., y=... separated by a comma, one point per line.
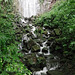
x=27, y=8
x=30, y=39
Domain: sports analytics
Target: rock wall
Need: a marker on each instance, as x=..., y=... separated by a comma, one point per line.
x=46, y=5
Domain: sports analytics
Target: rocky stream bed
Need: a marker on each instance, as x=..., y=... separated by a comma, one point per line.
x=36, y=45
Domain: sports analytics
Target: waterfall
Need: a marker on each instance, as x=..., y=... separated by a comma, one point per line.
x=28, y=8
x=36, y=45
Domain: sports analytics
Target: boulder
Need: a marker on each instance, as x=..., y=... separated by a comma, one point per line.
x=35, y=48
x=51, y=56
x=52, y=33
x=41, y=61
x=34, y=63
x=25, y=50
x=45, y=50
x=43, y=74
x=51, y=38
x=31, y=43
x=39, y=41
x=55, y=72
x=24, y=44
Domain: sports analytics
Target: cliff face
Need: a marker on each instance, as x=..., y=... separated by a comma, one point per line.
x=46, y=5
x=28, y=8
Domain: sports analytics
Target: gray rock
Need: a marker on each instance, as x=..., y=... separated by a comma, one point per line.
x=52, y=33
x=39, y=41
x=31, y=43
x=33, y=62
x=35, y=48
x=45, y=50
x=43, y=74
x=51, y=38
x=55, y=72
x=25, y=50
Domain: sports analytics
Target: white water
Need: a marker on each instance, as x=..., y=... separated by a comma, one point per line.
x=42, y=71
x=50, y=63
x=27, y=8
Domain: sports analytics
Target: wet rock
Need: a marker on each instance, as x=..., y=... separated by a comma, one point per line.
x=34, y=69
x=39, y=41
x=45, y=50
x=31, y=43
x=51, y=56
x=34, y=63
x=44, y=36
x=25, y=50
x=51, y=38
x=45, y=33
x=26, y=26
x=24, y=44
x=39, y=35
x=29, y=34
x=55, y=72
x=43, y=74
x=52, y=33
x=35, y=48
x=29, y=19
x=48, y=43
x=33, y=37
x=41, y=61
x=27, y=30
x=40, y=55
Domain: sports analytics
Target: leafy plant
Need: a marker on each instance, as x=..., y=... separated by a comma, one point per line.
x=10, y=62
x=62, y=16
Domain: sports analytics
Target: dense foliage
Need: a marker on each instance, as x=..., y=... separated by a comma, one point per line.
x=62, y=17
x=10, y=63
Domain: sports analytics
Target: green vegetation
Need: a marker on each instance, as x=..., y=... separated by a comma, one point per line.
x=10, y=63
x=62, y=17
x=61, y=20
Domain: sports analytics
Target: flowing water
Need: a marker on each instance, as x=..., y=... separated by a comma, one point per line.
x=52, y=62
x=28, y=8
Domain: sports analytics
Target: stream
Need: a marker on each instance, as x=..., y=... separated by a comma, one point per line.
x=36, y=40
x=35, y=46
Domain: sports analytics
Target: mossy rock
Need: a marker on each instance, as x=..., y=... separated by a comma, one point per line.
x=51, y=38
x=55, y=72
x=31, y=42
x=52, y=33
x=45, y=50
x=35, y=48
